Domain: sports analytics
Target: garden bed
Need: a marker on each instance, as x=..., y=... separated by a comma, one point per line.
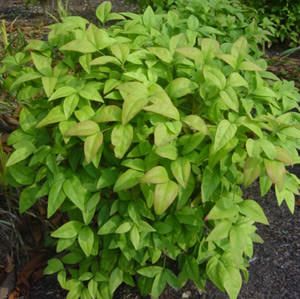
x=274, y=270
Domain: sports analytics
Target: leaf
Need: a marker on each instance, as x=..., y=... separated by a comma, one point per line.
x=230, y=99
x=62, y=92
x=251, y=171
x=135, y=237
x=124, y=228
x=121, y=139
x=181, y=169
x=49, y=84
x=150, y=271
x=276, y=172
x=108, y=114
x=92, y=145
x=86, y=240
x=105, y=60
x=54, y=266
x=20, y=154
x=232, y=282
x=56, y=195
x=127, y=180
x=240, y=48
x=135, y=95
x=253, y=210
x=70, y=104
x=236, y=80
x=110, y=226
x=214, y=76
x=103, y=11
x=225, y=132
x=55, y=115
x=181, y=87
x=196, y=123
x=68, y=230
x=156, y=175
x=162, y=53
x=210, y=182
x=115, y=280
x=75, y=192
x=168, y=151
x=221, y=231
x=164, y=196
x=250, y=66
x=162, y=104
x=28, y=198
x=83, y=128
x=85, y=62
x=79, y=45
x=159, y=285
x=42, y=63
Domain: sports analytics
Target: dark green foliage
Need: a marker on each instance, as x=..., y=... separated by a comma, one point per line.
x=143, y=134
x=284, y=15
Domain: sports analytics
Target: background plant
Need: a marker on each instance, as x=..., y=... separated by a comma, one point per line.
x=142, y=135
x=284, y=15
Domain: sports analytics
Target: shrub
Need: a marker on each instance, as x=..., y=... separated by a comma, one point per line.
x=142, y=135
x=284, y=15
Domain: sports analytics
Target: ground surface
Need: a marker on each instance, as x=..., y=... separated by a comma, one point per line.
x=274, y=270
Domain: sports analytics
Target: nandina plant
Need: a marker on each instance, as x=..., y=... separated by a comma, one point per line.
x=143, y=136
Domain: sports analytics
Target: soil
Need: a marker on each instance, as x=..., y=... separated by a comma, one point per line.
x=275, y=267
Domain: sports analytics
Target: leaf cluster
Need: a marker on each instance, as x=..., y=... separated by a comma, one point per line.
x=143, y=134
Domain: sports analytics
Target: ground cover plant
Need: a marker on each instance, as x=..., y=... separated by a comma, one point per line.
x=143, y=135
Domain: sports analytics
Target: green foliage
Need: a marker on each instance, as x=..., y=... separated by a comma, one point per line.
x=281, y=16
x=143, y=134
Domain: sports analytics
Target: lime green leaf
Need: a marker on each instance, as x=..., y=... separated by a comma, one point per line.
x=135, y=95
x=150, y=271
x=79, y=45
x=75, y=192
x=20, y=154
x=251, y=171
x=162, y=53
x=159, y=285
x=105, y=60
x=70, y=104
x=103, y=11
x=214, y=77
x=236, y=80
x=225, y=132
x=108, y=114
x=49, y=84
x=127, y=180
x=124, y=228
x=250, y=66
x=121, y=139
x=162, y=104
x=276, y=172
x=232, y=282
x=156, y=175
x=54, y=266
x=115, y=280
x=56, y=195
x=84, y=128
x=55, y=115
x=42, y=63
x=221, y=231
x=110, y=226
x=92, y=145
x=86, y=240
x=135, y=237
x=168, y=151
x=196, y=123
x=164, y=196
x=210, y=182
x=85, y=62
x=68, y=230
x=181, y=169
x=253, y=210
x=180, y=87
x=28, y=198
x=240, y=48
